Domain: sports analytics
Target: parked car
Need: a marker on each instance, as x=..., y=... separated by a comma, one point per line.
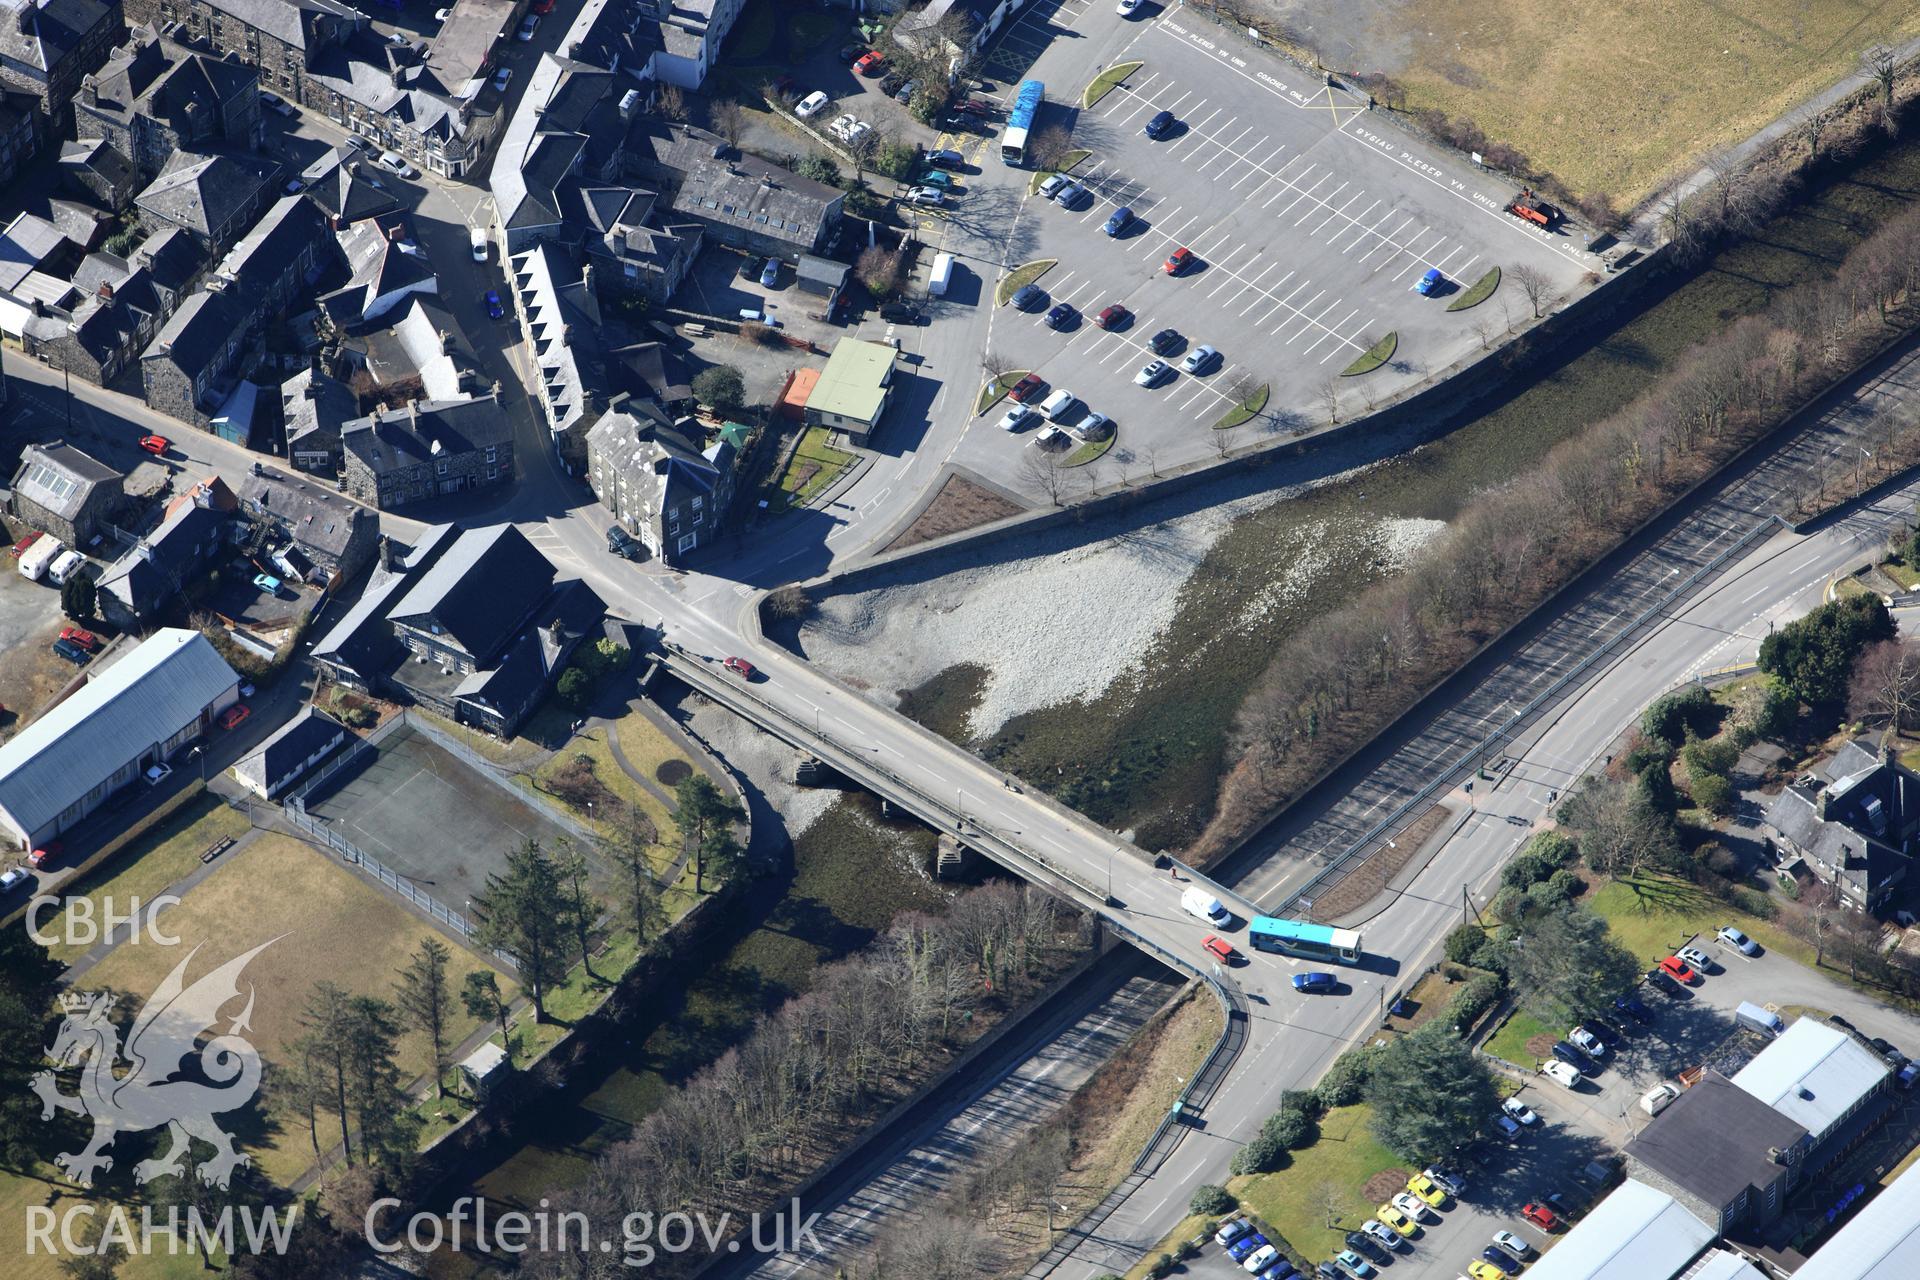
x=494, y=308
x=1633, y=1008
x=1505, y=1126
x=1027, y=388
x=1429, y=282
x=1017, y=417
x=1127, y=8
x=1696, y=959
x=1886, y=1050
x=1512, y=1244
x=1051, y=186
x=1246, y=1245
x=1446, y=1179
x=811, y=105
x=1677, y=969
x=1359, y=1242
x=1314, y=982
x=904, y=94
x=1738, y=941
x=1562, y=1074
x=1587, y=1042
x=1660, y=980
x=870, y=63
x=740, y=667
x=1393, y=1217
x=1539, y=1215
x=1062, y=315
x=1354, y=1265
x=235, y=715
x=359, y=143
x=1574, y=1058
x=1259, y=1260
x=477, y=241
x=945, y=159
x=1119, y=220
x=1427, y=1189
x=393, y=161
x=46, y=853
x=13, y=878
x=528, y=25
x=1381, y=1234
x=158, y=774
x=1164, y=341
x=277, y=104
x=623, y=544
x=1113, y=317
x=1069, y=195
x=1519, y=1111
x=72, y=652
x=891, y=82
x=1159, y=125
x=1200, y=359
x=850, y=52
x=1179, y=260
x=1029, y=296
x=936, y=178
x=1152, y=373
x=1228, y=1232
x=1414, y=1207
x=267, y=582
x=1603, y=1031
x=83, y=638
x=20, y=548
x=155, y=445
x=1095, y=426
x=1491, y=1265
x=770, y=274
x=501, y=79
x=927, y=196
x=1655, y=1100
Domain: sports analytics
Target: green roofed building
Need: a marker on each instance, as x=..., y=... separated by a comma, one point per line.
x=853, y=389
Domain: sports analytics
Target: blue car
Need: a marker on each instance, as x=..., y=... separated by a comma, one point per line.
x=1575, y=1058
x=1278, y=1270
x=1506, y=1262
x=1314, y=982
x=1245, y=1245
x=494, y=307
x=1430, y=281
x=1158, y=126
x=1120, y=221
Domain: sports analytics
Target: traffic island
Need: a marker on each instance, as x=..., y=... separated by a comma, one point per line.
x=1244, y=412
x=1069, y=161
x=1020, y=277
x=1107, y=81
x=1482, y=290
x=1089, y=450
x=1374, y=356
x=996, y=390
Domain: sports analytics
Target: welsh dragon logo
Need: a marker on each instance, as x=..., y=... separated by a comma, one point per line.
x=164, y=1035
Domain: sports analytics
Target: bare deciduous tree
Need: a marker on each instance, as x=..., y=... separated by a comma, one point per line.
x=878, y=268
x=1810, y=122
x=1883, y=62
x=728, y=119
x=1040, y=469
x=1886, y=684
x=670, y=102
x=1329, y=393
x=1048, y=147
x=1533, y=283
x=996, y=364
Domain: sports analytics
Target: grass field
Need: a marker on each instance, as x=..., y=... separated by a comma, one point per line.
x=1509, y=1043
x=21, y=1191
x=1478, y=292
x=1651, y=915
x=1290, y=1200
x=815, y=465
x=326, y=922
x=158, y=858
x=1615, y=97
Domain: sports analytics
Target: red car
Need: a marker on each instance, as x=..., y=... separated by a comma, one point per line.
x=20, y=547
x=85, y=639
x=1220, y=949
x=155, y=445
x=977, y=107
x=47, y=853
x=870, y=63
x=233, y=715
x=1676, y=968
x=1540, y=1216
x=1113, y=317
x=1027, y=388
x=542, y=6
x=740, y=667
x=1182, y=258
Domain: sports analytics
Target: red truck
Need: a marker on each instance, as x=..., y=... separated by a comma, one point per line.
x=1533, y=209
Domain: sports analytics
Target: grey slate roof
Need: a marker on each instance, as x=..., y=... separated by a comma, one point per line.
x=153, y=573
x=313, y=403
x=143, y=699
x=201, y=192
x=198, y=330
x=288, y=228
x=481, y=589
x=1868, y=802
x=315, y=517
x=1713, y=1140
x=293, y=743
x=343, y=188
x=59, y=477
x=52, y=32
x=426, y=429
x=530, y=661
x=362, y=638
x=282, y=19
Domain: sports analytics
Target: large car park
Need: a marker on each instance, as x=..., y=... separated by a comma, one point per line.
x=1302, y=246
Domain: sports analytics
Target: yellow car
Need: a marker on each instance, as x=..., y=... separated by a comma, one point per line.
x=1399, y=1221
x=1427, y=1189
x=1485, y=1271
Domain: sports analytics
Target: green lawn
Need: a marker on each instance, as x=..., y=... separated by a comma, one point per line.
x=1373, y=357
x=1090, y=450
x=1510, y=1042
x=1901, y=572
x=995, y=390
x=1650, y=915
x=814, y=465
x=1482, y=290
x=155, y=859
x=1069, y=161
x=1290, y=1200
x=1243, y=412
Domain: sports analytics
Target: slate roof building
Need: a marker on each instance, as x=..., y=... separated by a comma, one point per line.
x=474, y=624
x=139, y=588
x=1725, y=1155
x=47, y=46
x=337, y=535
x=279, y=257
x=393, y=457
x=151, y=99
x=97, y=336
x=313, y=407
x=426, y=343
x=386, y=271
x=197, y=359
x=690, y=33
x=388, y=93
x=347, y=190
x=135, y=714
x=274, y=766
x=658, y=484
x=62, y=491
x=283, y=38
x=213, y=198
x=739, y=199
x=1855, y=828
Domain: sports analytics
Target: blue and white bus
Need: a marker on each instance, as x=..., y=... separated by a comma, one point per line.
x=1299, y=938
x=1026, y=105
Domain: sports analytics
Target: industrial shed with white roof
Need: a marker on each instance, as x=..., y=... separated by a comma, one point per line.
x=134, y=714
x=1637, y=1233
x=1816, y=1075
x=1882, y=1242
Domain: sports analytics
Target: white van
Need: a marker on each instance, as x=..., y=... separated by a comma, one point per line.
x=65, y=567
x=35, y=559
x=942, y=275
x=1655, y=1100
x=1199, y=902
x=1561, y=1074
x=477, y=237
x=1058, y=403
x=1757, y=1018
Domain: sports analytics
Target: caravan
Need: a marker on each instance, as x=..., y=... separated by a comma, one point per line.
x=65, y=567
x=35, y=560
